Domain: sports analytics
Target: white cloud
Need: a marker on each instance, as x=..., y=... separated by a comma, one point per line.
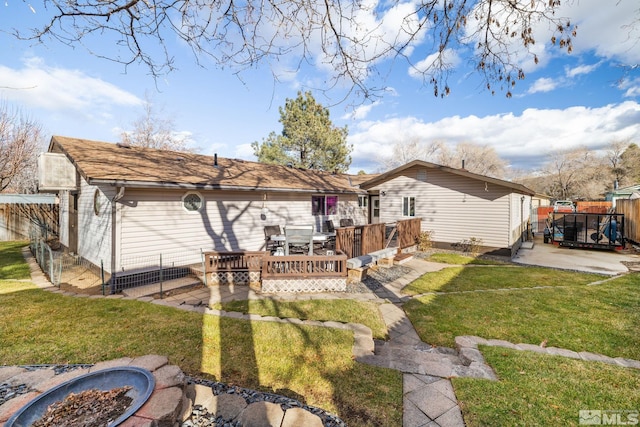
x=543, y=84
x=360, y=112
x=54, y=89
x=449, y=60
x=524, y=140
x=581, y=69
x=610, y=29
x=631, y=87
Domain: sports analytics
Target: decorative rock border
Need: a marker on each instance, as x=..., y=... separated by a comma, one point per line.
x=468, y=348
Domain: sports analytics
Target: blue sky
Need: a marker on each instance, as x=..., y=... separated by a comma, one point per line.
x=582, y=99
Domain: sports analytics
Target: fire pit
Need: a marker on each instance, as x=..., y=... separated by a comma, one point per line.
x=140, y=381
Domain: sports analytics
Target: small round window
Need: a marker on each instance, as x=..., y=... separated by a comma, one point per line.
x=192, y=202
x=97, y=202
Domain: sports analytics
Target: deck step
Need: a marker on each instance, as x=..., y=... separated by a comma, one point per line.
x=402, y=258
x=154, y=288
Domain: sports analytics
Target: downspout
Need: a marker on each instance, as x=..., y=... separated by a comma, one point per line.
x=119, y=195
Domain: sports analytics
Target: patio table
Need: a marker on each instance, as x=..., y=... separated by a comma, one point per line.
x=318, y=237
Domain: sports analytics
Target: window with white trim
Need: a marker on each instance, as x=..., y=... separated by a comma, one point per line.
x=409, y=206
x=363, y=201
x=192, y=202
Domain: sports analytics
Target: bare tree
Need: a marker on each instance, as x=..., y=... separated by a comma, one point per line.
x=20, y=139
x=152, y=130
x=570, y=172
x=409, y=150
x=614, y=155
x=480, y=159
x=350, y=38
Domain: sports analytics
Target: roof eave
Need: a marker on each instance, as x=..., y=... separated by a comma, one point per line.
x=377, y=180
x=208, y=186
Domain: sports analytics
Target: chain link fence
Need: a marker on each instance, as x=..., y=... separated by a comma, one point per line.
x=138, y=275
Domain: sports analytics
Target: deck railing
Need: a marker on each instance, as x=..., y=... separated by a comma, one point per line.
x=233, y=261
x=272, y=266
x=304, y=266
x=359, y=240
x=408, y=232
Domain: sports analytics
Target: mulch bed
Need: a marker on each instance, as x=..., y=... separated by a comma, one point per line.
x=90, y=408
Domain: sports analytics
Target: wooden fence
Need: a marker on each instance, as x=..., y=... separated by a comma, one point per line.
x=600, y=207
x=17, y=220
x=631, y=211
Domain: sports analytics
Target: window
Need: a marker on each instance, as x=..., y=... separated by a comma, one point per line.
x=192, y=202
x=408, y=206
x=97, y=202
x=324, y=205
x=363, y=201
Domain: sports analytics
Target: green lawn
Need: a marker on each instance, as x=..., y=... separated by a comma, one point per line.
x=539, y=390
x=454, y=258
x=601, y=319
x=312, y=364
x=12, y=265
x=316, y=366
x=534, y=389
x=346, y=311
x=456, y=279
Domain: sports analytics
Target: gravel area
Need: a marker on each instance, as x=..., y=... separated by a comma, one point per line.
x=379, y=276
x=201, y=417
x=9, y=391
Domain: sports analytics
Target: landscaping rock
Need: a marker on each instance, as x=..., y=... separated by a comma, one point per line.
x=262, y=414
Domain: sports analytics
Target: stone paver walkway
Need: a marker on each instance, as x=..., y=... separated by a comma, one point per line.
x=429, y=398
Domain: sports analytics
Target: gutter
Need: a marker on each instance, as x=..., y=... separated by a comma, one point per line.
x=171, y=185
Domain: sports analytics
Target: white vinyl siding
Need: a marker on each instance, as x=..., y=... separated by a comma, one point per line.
x=154, y=221
x=94, y=231
x=454, y=207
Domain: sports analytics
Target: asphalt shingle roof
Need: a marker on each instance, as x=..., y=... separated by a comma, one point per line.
x=103, y=162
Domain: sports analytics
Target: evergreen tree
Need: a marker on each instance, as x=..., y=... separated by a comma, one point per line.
x=309, y=140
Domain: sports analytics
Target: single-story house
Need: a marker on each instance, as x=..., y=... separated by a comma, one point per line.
x=630, y=192
x=455, y=204
x=126, y=202
x=119, y=202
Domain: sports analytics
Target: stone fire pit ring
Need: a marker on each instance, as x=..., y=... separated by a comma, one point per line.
x=141, y=381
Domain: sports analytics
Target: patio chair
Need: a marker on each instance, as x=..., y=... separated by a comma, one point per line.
x=271, y=230
x=328, y=225
x=331, y=230
x=299, y=238
x=346, y=222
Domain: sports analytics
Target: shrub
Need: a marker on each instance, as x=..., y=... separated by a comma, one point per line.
x=424, y=240
x=471, y=245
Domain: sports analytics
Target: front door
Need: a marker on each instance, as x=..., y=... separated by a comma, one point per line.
x=375, y=209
